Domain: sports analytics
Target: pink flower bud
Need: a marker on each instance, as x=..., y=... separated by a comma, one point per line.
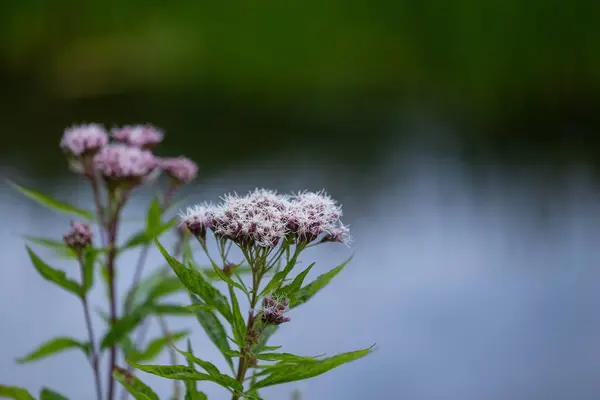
x=79, y=237
x=142, y=136
x=80, y=143
x=181, y=169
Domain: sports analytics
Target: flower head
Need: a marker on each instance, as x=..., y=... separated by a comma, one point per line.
x=80, y=143
x=79, y=237
x=273, y=310
x=314, y=213
x=142, y=136
x=118, y=162
x=198, y=219
x=80, y=139
x=257, y=219
x=181, y=169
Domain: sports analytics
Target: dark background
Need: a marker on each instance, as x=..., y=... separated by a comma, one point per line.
x=461, y=137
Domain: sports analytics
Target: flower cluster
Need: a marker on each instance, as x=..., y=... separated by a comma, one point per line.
x=142, y=136
x=180, y=169
x=79, y=237
x=120, y=162
x=263, y=218
x=127, y=158
x=273, y=310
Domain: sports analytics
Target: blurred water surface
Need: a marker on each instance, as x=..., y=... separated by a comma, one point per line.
x=475, y=281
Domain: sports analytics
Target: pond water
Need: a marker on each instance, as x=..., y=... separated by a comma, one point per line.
x=475, y=282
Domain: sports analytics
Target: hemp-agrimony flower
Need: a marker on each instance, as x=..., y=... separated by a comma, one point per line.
x=273, y=310
x=198, y=219
x=79, y=237
x=142, y=136
x=120, y=163
x=81, y=142
x=180, y=169
x=314, y=213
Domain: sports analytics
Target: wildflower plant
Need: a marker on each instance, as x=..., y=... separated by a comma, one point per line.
x=259, y=238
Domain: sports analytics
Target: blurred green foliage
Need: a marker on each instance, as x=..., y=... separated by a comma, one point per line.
x=483, y=51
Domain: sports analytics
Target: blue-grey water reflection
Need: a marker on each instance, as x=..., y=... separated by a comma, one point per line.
x=479, y=287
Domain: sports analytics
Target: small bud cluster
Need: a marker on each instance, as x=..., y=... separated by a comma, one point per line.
x=120, y=162
x=79, y=237
x=263, y=218
x=82, y=139
x=180, y=169
x=273, y=310
x=128, y=158
x=141, y=136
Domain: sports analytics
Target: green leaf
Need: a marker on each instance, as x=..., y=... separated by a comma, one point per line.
x=196, y=284
x=122, y=327
x=267, y=332
x=153, y=218
x=156, y=346
x=138, y=389
x=285, y=357
x=225, y=278
x=191, y=391
x=308, y=291
x=170, y=309
x=47, y=394
x=88, y=268
x=179, y=372
x=16, y=393
x=59, y=248
x=214, y=329
x=212, y=274
x=291, y=289
x=304, y=370
x=143, y=237
x=53, y=204
x=51, y=347
x=54, y=275
x=223, y=380
x=280, y=276
x=239, y=325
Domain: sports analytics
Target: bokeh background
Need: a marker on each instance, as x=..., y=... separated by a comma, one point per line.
x=460, y=136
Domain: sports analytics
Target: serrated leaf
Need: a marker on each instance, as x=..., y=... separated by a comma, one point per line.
x=196, y=284
x=51, y=347
x=291, y=289
x=305, y=370
x=54, y=275
x=122, y=327
x=308, y=291
x=15, y=393
x=47, y=394
x=223, y=380
x=156, y=346
x=53, y=204
x=239, y=325
x=214, y=329
x=138, y=389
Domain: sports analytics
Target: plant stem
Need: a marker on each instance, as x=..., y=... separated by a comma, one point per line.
x=172, y=354
x=93, y=356
x=113, y=229
x=243, y=363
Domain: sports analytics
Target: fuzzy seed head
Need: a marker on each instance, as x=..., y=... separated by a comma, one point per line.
x=142, y=136
x=83, y=139
x=181, y=169
x=79, y=237
x=121, y=162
